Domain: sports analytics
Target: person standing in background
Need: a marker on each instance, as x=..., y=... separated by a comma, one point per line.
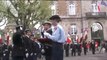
x=93, y=46
x=57, y=37
x=47, y=46
x=18, y=46
x=35, y=47
x=85, y=47
x=6, y=51
x=66, y=48
x=28, y=45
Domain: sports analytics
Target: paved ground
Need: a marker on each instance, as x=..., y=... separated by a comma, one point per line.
x=89, y=56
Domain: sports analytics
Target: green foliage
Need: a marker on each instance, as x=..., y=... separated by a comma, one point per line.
x=28, y=11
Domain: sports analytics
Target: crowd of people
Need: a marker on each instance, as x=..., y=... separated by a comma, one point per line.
x=51, y=44
x=85, y=47
x=27, y=46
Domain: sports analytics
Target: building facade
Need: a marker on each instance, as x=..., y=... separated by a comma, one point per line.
x=79, y=16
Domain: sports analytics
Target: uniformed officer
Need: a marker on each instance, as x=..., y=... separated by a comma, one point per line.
x=18, y=47
x=1, y=51
x=28, y=45
x=74, y=48
x=47, y=47
x=93, y=46
x=66, y=46
x=6, y=52
x=58, y=38
x=35, y=48
x=79, y=49
x=85, y=47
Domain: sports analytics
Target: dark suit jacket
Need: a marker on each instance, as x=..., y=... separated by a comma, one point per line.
x=27, y=44
x=36, y=48
x=47, y=47
x=93, y=46
x=18, y=46
x=6, y=50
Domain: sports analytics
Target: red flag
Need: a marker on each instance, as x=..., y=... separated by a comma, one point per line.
x=7, y=38
x=85, y=35
x=68, y=40
x=77, y=39
x=99, y=7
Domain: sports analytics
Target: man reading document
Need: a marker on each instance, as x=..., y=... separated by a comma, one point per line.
x=57, y=37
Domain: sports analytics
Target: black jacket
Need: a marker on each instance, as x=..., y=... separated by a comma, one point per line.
x=18, y=46
x=27, y=44
x=47, y=47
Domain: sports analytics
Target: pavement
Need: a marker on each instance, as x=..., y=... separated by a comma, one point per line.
x=89, y=56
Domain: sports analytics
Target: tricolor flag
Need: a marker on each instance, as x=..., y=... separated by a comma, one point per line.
x=0, y=39
x=104, y=3
x=85, y=35
x=98, y=6
x=77, y=39
x=81, y=37
x=68, y=40
x=7, y=38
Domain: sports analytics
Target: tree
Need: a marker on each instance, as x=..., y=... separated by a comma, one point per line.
x=25, y=12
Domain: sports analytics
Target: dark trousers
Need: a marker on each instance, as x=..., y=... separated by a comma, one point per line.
x=67, y=52
x=85, y=51
x=57, y=51
x=79, y=52
x=0, y=57
x=93, y=51
x=73, y=53
x=18, y=58
x=29, y=58
x=34, y=57
x=48, y=58
x=5, y=57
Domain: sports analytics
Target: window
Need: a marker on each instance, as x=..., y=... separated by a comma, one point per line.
x=72, y=9
x=95, y=6
x=73, y=29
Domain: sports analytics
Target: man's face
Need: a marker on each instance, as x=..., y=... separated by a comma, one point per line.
x=29, y=33
x=46, y=26
x=54, y=22
x=32, y=37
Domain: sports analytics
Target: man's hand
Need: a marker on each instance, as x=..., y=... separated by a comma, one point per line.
x=46, y=34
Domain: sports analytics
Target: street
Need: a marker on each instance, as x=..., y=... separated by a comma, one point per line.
x=89, y=56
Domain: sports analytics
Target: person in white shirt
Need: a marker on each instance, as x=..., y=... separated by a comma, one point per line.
x=58, y=38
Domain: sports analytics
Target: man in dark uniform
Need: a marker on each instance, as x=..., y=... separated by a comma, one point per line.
x=6, y=51
x=28, y=45
x=93, y=46
x=79, y=49
x=1, y=51
x=85, y=47
x=18, y=47
x=66, y=47
x=35, y=48
x=47, y=47
x=73, y=53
